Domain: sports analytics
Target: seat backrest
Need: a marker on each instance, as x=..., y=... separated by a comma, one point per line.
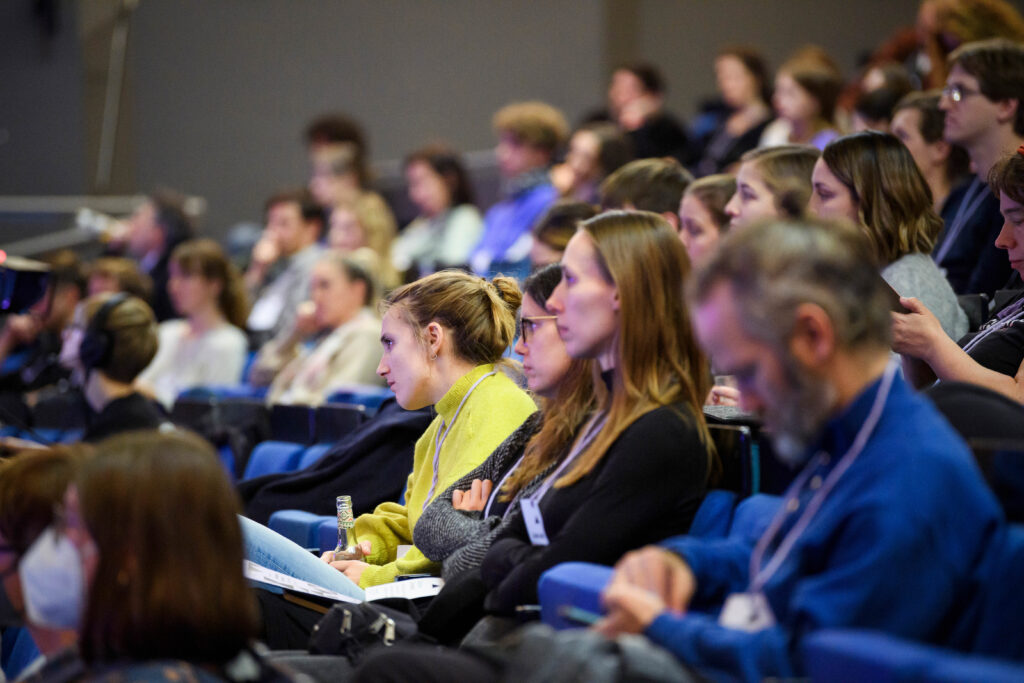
x=995, y=623
x=295, y=423
x=271, y=457
x=337, y=420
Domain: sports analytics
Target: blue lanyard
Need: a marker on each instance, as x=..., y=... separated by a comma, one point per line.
x=759, y=577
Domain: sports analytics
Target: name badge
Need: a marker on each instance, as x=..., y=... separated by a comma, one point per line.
x=746, y=612
x=534, y=522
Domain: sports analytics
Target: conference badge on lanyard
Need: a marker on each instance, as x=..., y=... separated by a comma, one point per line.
x=746, y=612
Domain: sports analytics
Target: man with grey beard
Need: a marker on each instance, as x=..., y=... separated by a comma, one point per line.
x=885, y=526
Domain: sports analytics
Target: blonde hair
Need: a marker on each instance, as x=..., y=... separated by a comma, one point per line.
x=786, y=172
x=379, y=228
x=537, y=124
x=480, y=315
x=658, y=361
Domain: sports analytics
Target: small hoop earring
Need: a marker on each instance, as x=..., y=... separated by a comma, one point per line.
x=433, y=356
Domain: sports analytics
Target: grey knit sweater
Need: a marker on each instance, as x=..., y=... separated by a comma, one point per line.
x=459, y=540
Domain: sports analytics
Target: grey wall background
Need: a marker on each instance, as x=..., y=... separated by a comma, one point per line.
x=218, y=92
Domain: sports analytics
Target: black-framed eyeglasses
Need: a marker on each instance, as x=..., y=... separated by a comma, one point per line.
x=528, y=325
x=956, y=92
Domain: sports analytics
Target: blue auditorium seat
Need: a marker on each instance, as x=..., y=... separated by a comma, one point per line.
x=271, y=457
x=301, y=527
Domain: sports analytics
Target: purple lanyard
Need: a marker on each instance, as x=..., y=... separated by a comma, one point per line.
x=595, y=425
x=973, y=198
x=1003, y=318
x=442, y=434
x=760, y=577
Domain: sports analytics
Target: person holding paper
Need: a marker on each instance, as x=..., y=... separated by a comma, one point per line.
x=444, y=337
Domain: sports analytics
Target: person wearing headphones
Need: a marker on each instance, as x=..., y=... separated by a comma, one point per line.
x=109, y=342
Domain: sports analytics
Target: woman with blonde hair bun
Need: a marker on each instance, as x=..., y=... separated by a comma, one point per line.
x=444, y=338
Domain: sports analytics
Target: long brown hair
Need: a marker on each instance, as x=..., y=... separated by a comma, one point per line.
x=893, y=200
x=658, y=361
x=169, y=583
x=205, y=258
x=566, y=411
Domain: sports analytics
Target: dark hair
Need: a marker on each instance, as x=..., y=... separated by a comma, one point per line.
x=125, y=272
x=933, y=120
x=446, y=163
x=998, y=64
x=815, y=71
x=648, y=75
x=615, y=149
x=169, y=582
x=170, y=217
x=335, y=129
x=648, y=184
x=542, y=282
x=558, y=224
x=754, y=63
x=66, y=270
x=878, y=104
x=714, y=192
x=354, y=270
x=1007, y=176
x=31, y=485
x=205, y=257
x=308, y=208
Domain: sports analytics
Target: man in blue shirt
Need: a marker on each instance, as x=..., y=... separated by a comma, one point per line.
x=886, y=524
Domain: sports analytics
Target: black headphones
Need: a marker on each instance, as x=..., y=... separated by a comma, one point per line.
x=97, y=343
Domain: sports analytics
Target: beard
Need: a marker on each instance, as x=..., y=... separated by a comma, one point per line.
x=798, y=413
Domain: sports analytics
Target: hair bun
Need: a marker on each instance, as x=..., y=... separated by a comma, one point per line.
x=508, y=291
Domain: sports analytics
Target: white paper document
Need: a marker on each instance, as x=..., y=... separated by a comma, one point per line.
x=411, y=589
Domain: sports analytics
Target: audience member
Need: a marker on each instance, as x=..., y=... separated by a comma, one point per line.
x=112, y=274
x=366, y=223
x=32, y=486
x=443, y=338
x=338, y=159
x=742, y=78
x=870, y=180
x=448, y=224
x=155, y=228
x=343, y=295
x=636, y=102
x=702, y=216
x=450, y=530
x=654, y=185
x=993, y=357
x=596, y=150
x=873, y=110
x=555, y=228
x=918, y=122
x=207, y=346
x=807, y=89
x=145, y=561
x=37, y=333
x=773, y=182
x=278, y=275
x=529, y=134
x=112, y=338
x=982, y=101
x=620, y=303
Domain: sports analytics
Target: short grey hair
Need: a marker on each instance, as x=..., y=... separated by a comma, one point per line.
x=775, y=266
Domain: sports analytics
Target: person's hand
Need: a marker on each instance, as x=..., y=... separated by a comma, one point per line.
x=22, y=329
x=353, y=569
x=660, y=572
x=305, y=320
x=721, y=395
x=363, y=549
x=917, y=332
x=265, y=252
x=473, y=499
x=631, y=609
